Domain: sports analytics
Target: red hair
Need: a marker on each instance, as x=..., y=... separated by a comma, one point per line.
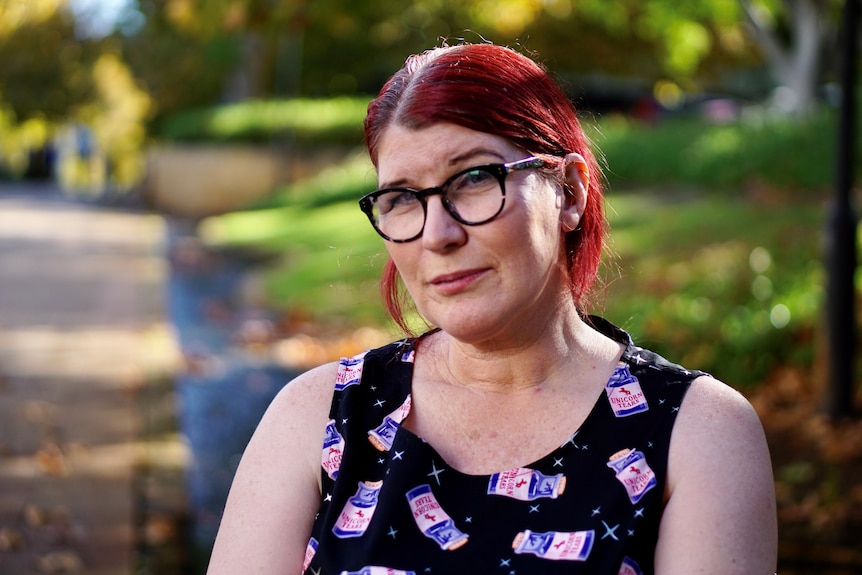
x=495, y=90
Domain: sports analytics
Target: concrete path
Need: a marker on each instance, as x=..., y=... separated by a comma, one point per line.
x=90, y=463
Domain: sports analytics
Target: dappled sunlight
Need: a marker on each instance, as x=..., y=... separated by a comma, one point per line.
x=88, y=434
x=48, y=352
x=708, y=278
x=301, y=116
x=284, y=228
x=68, y=225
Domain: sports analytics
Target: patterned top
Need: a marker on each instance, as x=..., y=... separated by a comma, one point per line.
x=391, y=505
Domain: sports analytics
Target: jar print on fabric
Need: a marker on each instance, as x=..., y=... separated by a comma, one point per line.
x=630, y=567
x=374, y=570
x=555, y=545
x=624, y=392
x=333, y=450
x=382, y=436
x=433, y=521
x=349, y=371
x=633, y=471
x=526, y=484
x=310, y=552
x=358, y=511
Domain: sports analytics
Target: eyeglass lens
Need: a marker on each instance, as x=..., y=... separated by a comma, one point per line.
x=471, y=197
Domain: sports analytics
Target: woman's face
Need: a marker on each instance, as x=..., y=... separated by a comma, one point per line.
x=495, y=281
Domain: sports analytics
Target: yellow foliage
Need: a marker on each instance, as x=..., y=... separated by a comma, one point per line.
x=689, y=42
x=508, y=17
x=17, y=13
x=117, y=118
x=182, y=13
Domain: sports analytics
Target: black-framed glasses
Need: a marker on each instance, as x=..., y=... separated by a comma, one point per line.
x=473, y=196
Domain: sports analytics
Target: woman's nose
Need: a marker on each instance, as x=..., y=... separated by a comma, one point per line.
x=442, y=232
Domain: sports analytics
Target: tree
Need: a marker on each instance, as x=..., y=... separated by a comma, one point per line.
x=44, y=71
x=795, y=36
x=51, y=78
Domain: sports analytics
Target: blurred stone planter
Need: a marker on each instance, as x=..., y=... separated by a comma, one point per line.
x=198, y=181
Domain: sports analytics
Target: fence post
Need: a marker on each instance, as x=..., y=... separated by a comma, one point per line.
x=841, y=236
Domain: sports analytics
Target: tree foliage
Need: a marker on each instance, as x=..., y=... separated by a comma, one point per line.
x=44, y=70
x=51, y=77
x=193, y=53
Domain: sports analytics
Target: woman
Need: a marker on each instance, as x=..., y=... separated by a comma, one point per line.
x=520, y=435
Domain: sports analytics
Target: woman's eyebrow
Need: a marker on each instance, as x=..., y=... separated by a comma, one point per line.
x=453, y=161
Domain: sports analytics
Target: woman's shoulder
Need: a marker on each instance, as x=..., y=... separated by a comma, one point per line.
x=720, y=513
x=718, y=432
x=312, y=391
x=301, y=407
x=711, y=403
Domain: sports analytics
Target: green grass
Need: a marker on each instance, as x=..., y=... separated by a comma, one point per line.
x=717, y=231
x=328, y=258
x=784, y=152
x=717, y=282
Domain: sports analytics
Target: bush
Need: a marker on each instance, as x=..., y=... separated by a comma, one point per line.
x=315, y=122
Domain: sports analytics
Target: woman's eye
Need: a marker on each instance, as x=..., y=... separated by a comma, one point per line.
x=473, y=179
x=396, y=200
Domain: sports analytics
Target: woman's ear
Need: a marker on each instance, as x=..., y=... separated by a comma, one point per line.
x=577, y=181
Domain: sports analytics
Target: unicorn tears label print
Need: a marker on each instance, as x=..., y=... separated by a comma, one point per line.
x=633, y=471
x=358, y=511
x=624, y=393
x=349, y=371
x=333, y=450
x=555, y=545
x=526, y=484
x=382, y=436
x=433, y=521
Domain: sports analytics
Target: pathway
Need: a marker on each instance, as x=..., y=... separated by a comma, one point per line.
x=90, y=463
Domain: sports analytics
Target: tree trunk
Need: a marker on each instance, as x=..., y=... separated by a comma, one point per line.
x=794, y=67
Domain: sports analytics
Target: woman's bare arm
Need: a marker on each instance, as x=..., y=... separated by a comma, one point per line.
x=720, y=517
x=276, y=491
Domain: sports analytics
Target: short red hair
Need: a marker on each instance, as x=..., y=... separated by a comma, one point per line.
x=495, y=90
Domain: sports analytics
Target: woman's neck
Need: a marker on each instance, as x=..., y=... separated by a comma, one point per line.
x=564, y=350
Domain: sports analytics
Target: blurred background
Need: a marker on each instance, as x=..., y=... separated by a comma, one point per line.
x=179, y=237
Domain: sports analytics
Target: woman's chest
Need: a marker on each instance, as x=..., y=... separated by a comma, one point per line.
x=480, y=434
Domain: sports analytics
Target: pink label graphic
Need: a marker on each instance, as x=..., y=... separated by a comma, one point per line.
x=432, y=520
x=333, y=449
x=383, y=435
x=349, y=371
x=526, y=484
x=409, y=356
x=630, y=567
x=378, y=571
x=624, y=392
x=633, y=472
x=358, y=511
x=310, y=551
x=555, y=545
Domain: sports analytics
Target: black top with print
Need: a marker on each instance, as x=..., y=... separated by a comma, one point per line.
x=391, y=505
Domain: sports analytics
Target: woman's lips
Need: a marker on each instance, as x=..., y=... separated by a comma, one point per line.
x=450, y=284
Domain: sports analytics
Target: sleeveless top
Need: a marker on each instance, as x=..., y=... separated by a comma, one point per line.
x=391, y=505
